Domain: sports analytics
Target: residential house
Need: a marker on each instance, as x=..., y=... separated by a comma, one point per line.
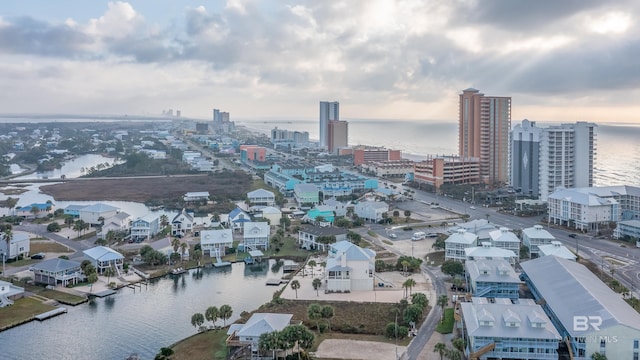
x=261, y=197
x=272, y=214
x=505, y=239
x=586, y=312
x=165, y=246
x=349, y=268
x=504, y=330
x=371, y=210
x=306, y=194
x=144, y=227
x=256, y=236
x=492, y=279
x=248, y=334
x=120, y=222
x=237, y=218
x=339, y=208
x=182, y=223
x=73, y=210
x=481, y=227
x=35, y=210
x=535, y=236
x=196, y=196
x=215, y=242
x=455, y=245
x=18, y=245
x=308, y=236
x=102, y=257
x=556, y=249
x=57, y=271
x=488, y=252
x=9, y=293
x=323, y=212
x=95, y=214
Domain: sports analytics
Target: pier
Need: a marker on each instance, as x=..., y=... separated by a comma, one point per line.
x=50, y=314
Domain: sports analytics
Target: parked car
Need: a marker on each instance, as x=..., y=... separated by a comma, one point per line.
x=393, y=236
x=572, y=235
x=38, y=256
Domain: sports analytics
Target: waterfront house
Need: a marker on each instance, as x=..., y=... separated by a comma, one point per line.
x=237, y=219
x=18, y=245
x=455, y=244
x=35, y=210
x=349, y=268
x=144, y=227
x=309, y=236
x=488, y=252
x=95, y=214
x=215, y=242
x=248, y=334
x=182, y=223
x=504, y=330
x=261, y=197
x=492, y=279
x=57, y=271
x=196, y=196
x=371, y=210
x=505, y=239
x=535, y=236
x=256, y=236
x=102, y=257
x=556, y=249
x=120, y=222
x=165, y=246
x=9, y=293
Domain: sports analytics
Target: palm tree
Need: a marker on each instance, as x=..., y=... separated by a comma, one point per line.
x=225, y=313
x=164, y=220
x=408, y=285
x=11, y=203
x=405, y=265
x=197, y=320
x=295, y=285
x=314, y=313
x=68, y=220
x=442, y=302
x=34, y=210
x=317, y=283
x=197, y=256
x=458, y=344
x=270, y=342
x=440, y=348
x=175, y=243
x=407, y=215
x=109, y=272
x=92, y=278
x=598, y=356
x=183, y=250
x=312, y=264
x=212, y=314
x=453, y=354
x=327, y=313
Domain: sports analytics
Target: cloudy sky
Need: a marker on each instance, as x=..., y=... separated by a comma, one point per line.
x=382, y=59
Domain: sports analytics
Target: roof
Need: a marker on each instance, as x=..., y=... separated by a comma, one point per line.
x=56, y=265
x=99, y=208
x=304, y=187
x=556, y=248
x=491, y=271
x=120, y=216
x=75, y=207
x=503, y=235
x=323, y=231
x=197, y=194
x=475, y=226
x=585, y=196
x=570, y=289
x=260, y=193
x=40, y=207
x=260, y=323
x=373, y=204
x=502, y=312
x=237, y=211
x=352, y=251
x=102, y=253
x=222, y=236
x=461, y=236
x=270, y=210
x=256, y=228
x=537, y=232
x=488, y=251
x=184, y=213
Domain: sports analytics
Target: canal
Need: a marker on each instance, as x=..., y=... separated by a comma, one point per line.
x=141, y=321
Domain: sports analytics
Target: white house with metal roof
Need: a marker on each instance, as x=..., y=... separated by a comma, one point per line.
x=9, y=293
x=309, y=235
x=18, y=245
x=306, y=194
x=371, y=210
x=256, y=236
x=455, y=244
x=556, y=249
x=273, y=214
x=57, y=271
x=349, y=267
x=535, y=236
x=248, y=334
x=480, y=227
x=196, y=196
x=182, y=223
x=504, y=330
x=587, y=208
x=96, y=213
x=505, y=239
x=215, y=242
x=487, y=252
x=587, y=313
x=144, y=227
x=102, y=257
x=261, y=197
x=492, y=279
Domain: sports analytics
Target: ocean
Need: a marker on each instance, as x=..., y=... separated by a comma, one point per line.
x=617, y=145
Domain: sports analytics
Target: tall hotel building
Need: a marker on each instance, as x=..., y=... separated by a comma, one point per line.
x=329, y=111
x=484, y=125
x=338, y=135
x=543, y=159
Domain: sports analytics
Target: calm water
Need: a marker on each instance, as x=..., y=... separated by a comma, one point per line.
x=140, y=322
x=617, y=159
x=71, y=168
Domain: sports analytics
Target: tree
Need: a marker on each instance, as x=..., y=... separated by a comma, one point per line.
x=297, y=334
x=408, y=285
x=78, y=226
x=197, y=256
x=270, y=342
x=458, y=344
x=164, y=220
x=91, y=279
x=443, y=300
x=412, y=313
x=453, y=354
x=312, y=264
x=197, y=320
x=183, y=250
x=405, y=265
x=327, y=313
x=11, y=202
x=109, y=272
x=164, y=354
x=175, y=244
x=440, y=348
x=420, y=299
x=34, y=210
x=225, y=313
x=285, y=222
x=598, y=356
x=439, y=244
x=314, y=313
x=212, y=314
x=354, y=237
x=452, y=268
x=295, y=285
x=407, y=215
x=396, y=213
x=53, y=227
x=317, y=283
x=68, y=220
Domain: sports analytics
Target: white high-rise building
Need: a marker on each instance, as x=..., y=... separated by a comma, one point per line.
x=543, y=159
x=328, y=111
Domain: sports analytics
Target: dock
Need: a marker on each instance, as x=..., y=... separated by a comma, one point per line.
x=290, y=268
x=221, y=264
x=104, y=293
x=50, y=314
x=275, y=282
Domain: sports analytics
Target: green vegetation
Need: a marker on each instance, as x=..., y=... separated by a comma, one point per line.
x=45, y=246
x=21, y=311
x=446, y=326
x=452, y=268
x=205, y=345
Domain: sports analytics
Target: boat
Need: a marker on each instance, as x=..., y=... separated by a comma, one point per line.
x=178, y=271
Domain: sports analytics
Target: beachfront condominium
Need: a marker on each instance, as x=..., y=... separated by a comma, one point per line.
x=484, y=124
x=329, y=111
x=338, y=135
x=543, y=159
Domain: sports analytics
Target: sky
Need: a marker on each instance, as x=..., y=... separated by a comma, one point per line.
x=571, y=60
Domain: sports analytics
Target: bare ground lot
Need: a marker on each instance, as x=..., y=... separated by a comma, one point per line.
x=221, y=186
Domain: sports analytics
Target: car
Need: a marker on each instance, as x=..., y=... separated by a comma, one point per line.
x=472, y=207
x=38, y=256
x=572, y=236
x=393, y=236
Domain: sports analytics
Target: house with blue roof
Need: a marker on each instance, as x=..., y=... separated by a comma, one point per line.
x=248, y=334
x=35, y=210
x=102, y=257
x=73, y=210
x=237, y=218
x=323, y=211
x=96, y=213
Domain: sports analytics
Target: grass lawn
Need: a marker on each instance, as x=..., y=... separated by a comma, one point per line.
x=62, y=297
x=23, y=262
x=21, y=311
x=47, y=246
x=206, y=345
x=446, y=327
x=437, y=258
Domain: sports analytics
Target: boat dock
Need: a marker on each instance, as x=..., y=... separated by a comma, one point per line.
x=104, y=293
x=50, y=314
x=276, y=282
x=290, y=268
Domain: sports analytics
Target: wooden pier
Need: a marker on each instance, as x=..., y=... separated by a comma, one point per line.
x=50, y=314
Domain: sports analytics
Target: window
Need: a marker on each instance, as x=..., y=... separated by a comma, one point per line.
x=635, y=344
